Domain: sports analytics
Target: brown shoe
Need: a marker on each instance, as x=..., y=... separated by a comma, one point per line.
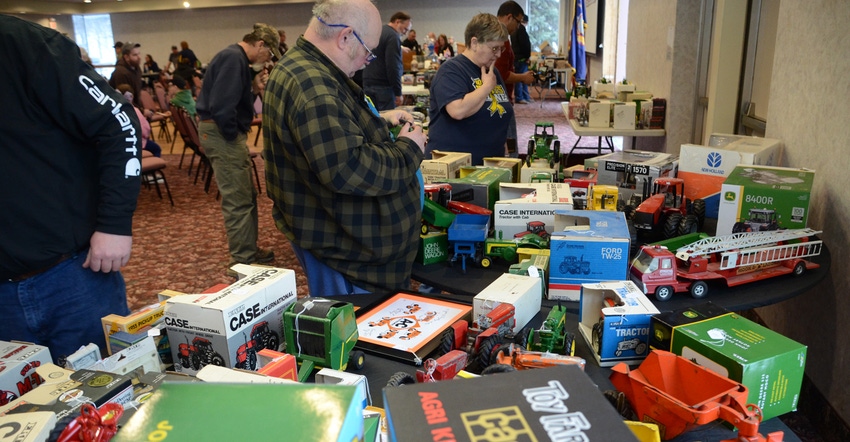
x=264, y=256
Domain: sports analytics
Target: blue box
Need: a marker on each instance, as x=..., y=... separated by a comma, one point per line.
x=586, y=246
x=616, y=330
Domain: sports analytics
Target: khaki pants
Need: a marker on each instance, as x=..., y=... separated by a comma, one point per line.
x=231, y=162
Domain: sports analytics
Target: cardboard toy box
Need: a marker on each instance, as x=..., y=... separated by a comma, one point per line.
x=481, y=187
x=244, y=412
x=548, y=404
x=210, y=328
x=539, y=168
x=136, y=322
x=770, y=365
x=629, y=169
x=704, y=168
x=433, y=248
x=513, y=164
x=764, y=198
x=625, y=116
x=619, y=333
x=599, y=114
x=523, y=292
x=664, y=324
x=18, y=363
x=522, y=203
x=444, y=165
x=593, y=248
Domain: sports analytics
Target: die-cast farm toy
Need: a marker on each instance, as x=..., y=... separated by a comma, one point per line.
x=543, y=145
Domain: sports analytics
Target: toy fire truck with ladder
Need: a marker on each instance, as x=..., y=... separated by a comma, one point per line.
x=738, y=258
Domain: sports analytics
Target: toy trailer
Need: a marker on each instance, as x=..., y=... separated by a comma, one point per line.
x=467, y=233
x=737, y=259
x=678, y=395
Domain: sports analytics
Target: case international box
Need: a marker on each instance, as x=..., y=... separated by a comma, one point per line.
x=18, y=361
x=587, y=246
x=522, y=292
x=547, y=404
x=629, y=169
x=248, y=412
x=617, y=330
x=481, y=187
x=770, y=365
x=704, y=168
x=444, y=165
x=520, y=204
x=764, y=198
x=210, y=328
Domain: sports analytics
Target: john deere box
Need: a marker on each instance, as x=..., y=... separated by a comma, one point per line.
x=513, y=164
x=664, y=324
x=433, y=248
x=18, y=361
x=586, y=246
x=757, y=198
x=520, y=204
x=444, y=165
x=770, y=365
x=614, y=319
x=481, y=187
x=704, y=168
x=217, y=328
x=629, y=169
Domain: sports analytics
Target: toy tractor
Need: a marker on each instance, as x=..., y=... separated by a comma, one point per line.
x=758, y=220
x=481, y=339
x=543, y=145
x=507, y=248
x=574, y=266
x=321, y=333
x=552, y=336
x=536, y=227
x=443, y=368
x=603, y=197
x=667, y=209
x=513, y=357
x=199, y=353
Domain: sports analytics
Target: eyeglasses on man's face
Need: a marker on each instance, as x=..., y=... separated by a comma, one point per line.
x=370, y=57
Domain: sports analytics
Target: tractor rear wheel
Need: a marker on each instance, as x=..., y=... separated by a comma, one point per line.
x=569, y=344
x=447, y=342
x=530, y=157
x=671, y=226
x=689, y=224
x=487, y=350
x=401, y=378
x=699, y=211
x=497, y=368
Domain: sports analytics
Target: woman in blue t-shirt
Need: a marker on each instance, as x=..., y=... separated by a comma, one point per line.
x=470, y=109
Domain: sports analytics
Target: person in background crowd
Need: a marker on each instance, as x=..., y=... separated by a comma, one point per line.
x=226, y=108
x=186, y=61
x=442, y=47
x=128, y=71
x=521, y=45
x=470, y=110
x=118, y=46
x=150, y=65
x=345, y=194
x=283, y=47
x=510, y=14
x=411, y=43
x=382, y=75
x=173, y=60
x=73, y=162
x=147, y=144
x=183, y=98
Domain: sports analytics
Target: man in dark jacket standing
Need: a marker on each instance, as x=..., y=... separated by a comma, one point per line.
x=69, y=168
x=226, y=109
x=128, y=72
x=382, y=77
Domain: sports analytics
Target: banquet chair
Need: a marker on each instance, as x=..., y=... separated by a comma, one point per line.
x=152, y=173
x=159, y=91
x=258, y=118
x=193, y=140
x=160, y=115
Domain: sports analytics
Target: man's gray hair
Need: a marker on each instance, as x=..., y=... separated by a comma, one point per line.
x=337, y=12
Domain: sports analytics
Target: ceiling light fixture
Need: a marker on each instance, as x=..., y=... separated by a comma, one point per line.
x=186, y=4
x=86, y=1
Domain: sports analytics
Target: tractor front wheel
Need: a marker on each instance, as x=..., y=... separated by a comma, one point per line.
x=357, y=359
x=401, y=378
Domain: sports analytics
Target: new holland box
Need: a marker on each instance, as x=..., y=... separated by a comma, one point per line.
x=617, y=330
x=704, y=168
x=210, y=328
x=520, y=204
x=444, y=165
x=548, y=404
x=757, y=198
x=629, y=169
x=18, y=361
x=522, y=292
x=770, y=365
x=586, y=246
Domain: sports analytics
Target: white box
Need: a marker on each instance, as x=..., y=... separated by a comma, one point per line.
x=223, y=375
x=624, y=116
x=444, y=165
x=18, y=363
x=209, y=328
x=330, y=376
x=523, y=292
x=622, y=332
x=599, y=114
x=630, y=169
x=526, y=173
x=521, y=203
x=704, y=168
x=620, y=87
x=602, y=90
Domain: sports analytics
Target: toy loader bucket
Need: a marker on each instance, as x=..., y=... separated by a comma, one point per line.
x=678, y=394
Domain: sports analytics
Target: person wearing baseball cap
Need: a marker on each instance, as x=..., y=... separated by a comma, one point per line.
x=226, y=108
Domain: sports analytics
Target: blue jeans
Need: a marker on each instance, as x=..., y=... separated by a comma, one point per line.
x=521, y=89
x=323, y=280
x=61, y=308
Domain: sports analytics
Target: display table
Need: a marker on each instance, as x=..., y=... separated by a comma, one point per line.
x=414, y=89
x=606, y=133
x=378, y=370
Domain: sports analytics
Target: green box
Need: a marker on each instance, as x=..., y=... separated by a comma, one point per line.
x=770, y=365
x=433, y=248
x=663, y=325
x=481, y=187
x=755, y=198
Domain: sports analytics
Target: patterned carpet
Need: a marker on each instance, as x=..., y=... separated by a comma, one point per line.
x=184, y=248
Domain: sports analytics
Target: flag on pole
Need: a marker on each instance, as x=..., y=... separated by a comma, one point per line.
x=577, y=56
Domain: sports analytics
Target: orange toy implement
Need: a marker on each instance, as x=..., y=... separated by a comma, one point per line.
x=678, y=395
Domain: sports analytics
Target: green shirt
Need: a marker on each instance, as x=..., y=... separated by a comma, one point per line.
x=184, y=99
x=342, y=189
